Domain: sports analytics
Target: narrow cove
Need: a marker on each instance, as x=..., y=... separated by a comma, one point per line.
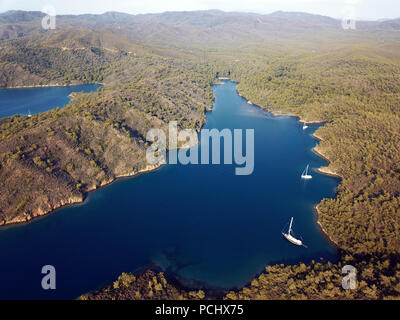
x=30, y=101
x=200, y=223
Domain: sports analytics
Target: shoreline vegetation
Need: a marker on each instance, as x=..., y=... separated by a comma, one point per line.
x=81, y=199
x=104, y=142
x=132, y=289
x=77, y=200
x=323, y=170
x=323, y=229
x=357, y=219
x=56, y=85
x=192, y=294
x=349, y=80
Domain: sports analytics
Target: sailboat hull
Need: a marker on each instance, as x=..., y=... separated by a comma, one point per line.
x=293, y=240
x=305, y=174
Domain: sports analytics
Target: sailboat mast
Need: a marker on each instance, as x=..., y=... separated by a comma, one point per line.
x=290, y=227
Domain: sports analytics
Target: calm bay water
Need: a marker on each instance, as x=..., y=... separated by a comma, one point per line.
x=35, y=100
x=198, y=222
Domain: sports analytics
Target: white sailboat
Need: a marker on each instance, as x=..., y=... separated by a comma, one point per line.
x=29, y=113
x=305, y=126
x=305, y=174
x=289, y=236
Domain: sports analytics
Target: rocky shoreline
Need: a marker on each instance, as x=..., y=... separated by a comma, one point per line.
x=47, y=208
x=323, y=170
x=335, y=242
x=50, y=85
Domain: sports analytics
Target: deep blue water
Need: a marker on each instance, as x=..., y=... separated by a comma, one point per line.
x=199, y=221
x=36, y=100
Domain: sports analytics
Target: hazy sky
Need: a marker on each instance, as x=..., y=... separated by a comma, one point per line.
x=366, y=9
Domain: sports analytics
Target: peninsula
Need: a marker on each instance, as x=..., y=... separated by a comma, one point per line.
x=160, y=68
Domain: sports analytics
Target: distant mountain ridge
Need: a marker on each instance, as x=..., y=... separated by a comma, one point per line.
x=211, y=27
x=158, y=68
x=18, y=16
x=204, y=17
x=184, y=29
x=14, y=16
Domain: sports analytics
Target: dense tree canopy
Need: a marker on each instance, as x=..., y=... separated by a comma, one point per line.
x=163, y=72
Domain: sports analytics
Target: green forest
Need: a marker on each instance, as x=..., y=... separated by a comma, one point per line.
x=98, y=137
x=348, y=81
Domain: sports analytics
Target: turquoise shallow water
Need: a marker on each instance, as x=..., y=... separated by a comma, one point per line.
x=197, y=222
x=35, y=100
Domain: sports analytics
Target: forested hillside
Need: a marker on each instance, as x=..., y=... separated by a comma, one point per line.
x=62, y=154
x=356, y=92
x=62, y=57
x=146, y=286
x=377, y=278
x=157, y=68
